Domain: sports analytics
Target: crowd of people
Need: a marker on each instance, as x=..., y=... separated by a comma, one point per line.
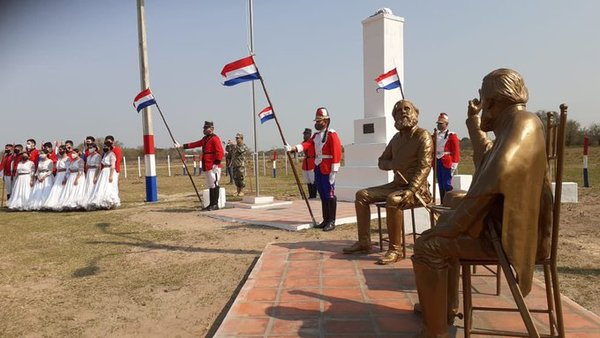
x=61, y=177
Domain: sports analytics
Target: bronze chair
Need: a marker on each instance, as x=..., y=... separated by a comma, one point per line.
x=382, y=239
x=555, y=135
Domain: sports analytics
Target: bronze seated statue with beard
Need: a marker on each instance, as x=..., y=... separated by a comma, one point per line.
x=409, y=154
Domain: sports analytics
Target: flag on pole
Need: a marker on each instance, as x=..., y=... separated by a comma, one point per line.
x=389, y=80
x=240, y=71
x=143, y=100
x=266, y=115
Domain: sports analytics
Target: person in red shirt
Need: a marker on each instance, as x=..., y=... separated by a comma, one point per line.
x=109, y=140
x=308, y=165
x=69, y=147
x=447, y=154
x=212, y=154
x=327, y=147
x=34, y=154
x=51, y=155
x=6, y=168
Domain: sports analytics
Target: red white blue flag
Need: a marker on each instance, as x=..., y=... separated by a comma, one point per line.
x=266, y=115
x=389, y=80
x=143, y=100
x=240, y=71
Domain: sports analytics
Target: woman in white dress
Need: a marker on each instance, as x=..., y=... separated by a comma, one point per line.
x=22, y=183
x=105, y=194
x=53, y=202
x=73, y=194
x=43, y=181
x=92, y=171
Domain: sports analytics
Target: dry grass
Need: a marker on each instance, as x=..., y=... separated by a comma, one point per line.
x=117, y=273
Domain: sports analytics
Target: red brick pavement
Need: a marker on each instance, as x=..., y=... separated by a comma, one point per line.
x=310, y=289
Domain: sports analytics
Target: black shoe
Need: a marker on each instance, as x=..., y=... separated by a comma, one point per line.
x=329, y=226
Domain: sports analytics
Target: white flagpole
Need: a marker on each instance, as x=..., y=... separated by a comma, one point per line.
x=251, y=38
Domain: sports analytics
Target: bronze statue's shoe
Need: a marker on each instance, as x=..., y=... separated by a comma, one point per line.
x=418, y=310
x=389, y=258
x=358, y=248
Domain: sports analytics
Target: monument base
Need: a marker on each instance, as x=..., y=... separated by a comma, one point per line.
x=258, y=202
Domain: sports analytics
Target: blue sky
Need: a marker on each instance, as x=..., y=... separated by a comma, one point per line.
x=69, y=68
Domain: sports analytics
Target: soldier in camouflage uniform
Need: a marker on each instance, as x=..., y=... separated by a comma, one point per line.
x=238, y=161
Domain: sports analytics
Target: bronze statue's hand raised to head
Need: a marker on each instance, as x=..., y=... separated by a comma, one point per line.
x=474, y=107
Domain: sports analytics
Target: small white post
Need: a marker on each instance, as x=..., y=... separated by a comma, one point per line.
x=195, y=167
x=139, y=167
x=125, y=166
x=169, y=164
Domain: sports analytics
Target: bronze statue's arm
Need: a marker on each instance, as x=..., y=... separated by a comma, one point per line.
x=385, y=160
x=479, y=140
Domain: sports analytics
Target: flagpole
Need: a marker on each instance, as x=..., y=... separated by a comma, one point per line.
x=289, y=156
x=149, y=157
x=179, y=152
x=255, y=156
x=399, y=80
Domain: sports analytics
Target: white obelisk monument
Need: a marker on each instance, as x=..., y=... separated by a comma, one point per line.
x=383, y=50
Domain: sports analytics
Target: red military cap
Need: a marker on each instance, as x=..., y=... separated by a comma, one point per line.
x=321, y=114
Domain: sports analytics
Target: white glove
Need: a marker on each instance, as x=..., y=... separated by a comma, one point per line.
x=177, y=145
x=288, y=148
x=332, y=177
x=215, y=169
x=453, y=168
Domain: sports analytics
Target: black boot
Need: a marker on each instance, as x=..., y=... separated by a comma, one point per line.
x=325, y=212
x=312, y=190
x=214, y=199
x=332, y=210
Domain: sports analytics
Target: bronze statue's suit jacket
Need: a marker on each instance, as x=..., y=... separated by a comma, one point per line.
x=510, y=184
x=410, y=153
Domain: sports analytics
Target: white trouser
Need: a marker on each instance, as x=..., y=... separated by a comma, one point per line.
x=7, y=184
x=212, y=179
x=309, y=176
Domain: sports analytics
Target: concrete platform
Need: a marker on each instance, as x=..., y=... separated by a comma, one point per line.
x=290, y=215
x=310, y=289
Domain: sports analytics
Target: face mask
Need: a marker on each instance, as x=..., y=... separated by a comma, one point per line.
x=29, y=146
x=43, y=156
x=105, y=149
x=17, y=151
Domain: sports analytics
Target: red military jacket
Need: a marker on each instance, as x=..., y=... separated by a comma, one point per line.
x=6, y=165
x=448, y=149
x=212, y=150
x=309, y=159
x=328, y=155
x=34, y=155
x=119, y=158
x=52, y=156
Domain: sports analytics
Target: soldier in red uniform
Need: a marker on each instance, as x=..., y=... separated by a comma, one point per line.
x=33, y=153
x=212, y=154
x=447, y=155
x=308, y=166
x=327, y=148
x=6, y=168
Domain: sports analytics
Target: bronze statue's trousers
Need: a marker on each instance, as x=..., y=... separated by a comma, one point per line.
x=433, y=299
x=395, y=224
x=432, y=255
